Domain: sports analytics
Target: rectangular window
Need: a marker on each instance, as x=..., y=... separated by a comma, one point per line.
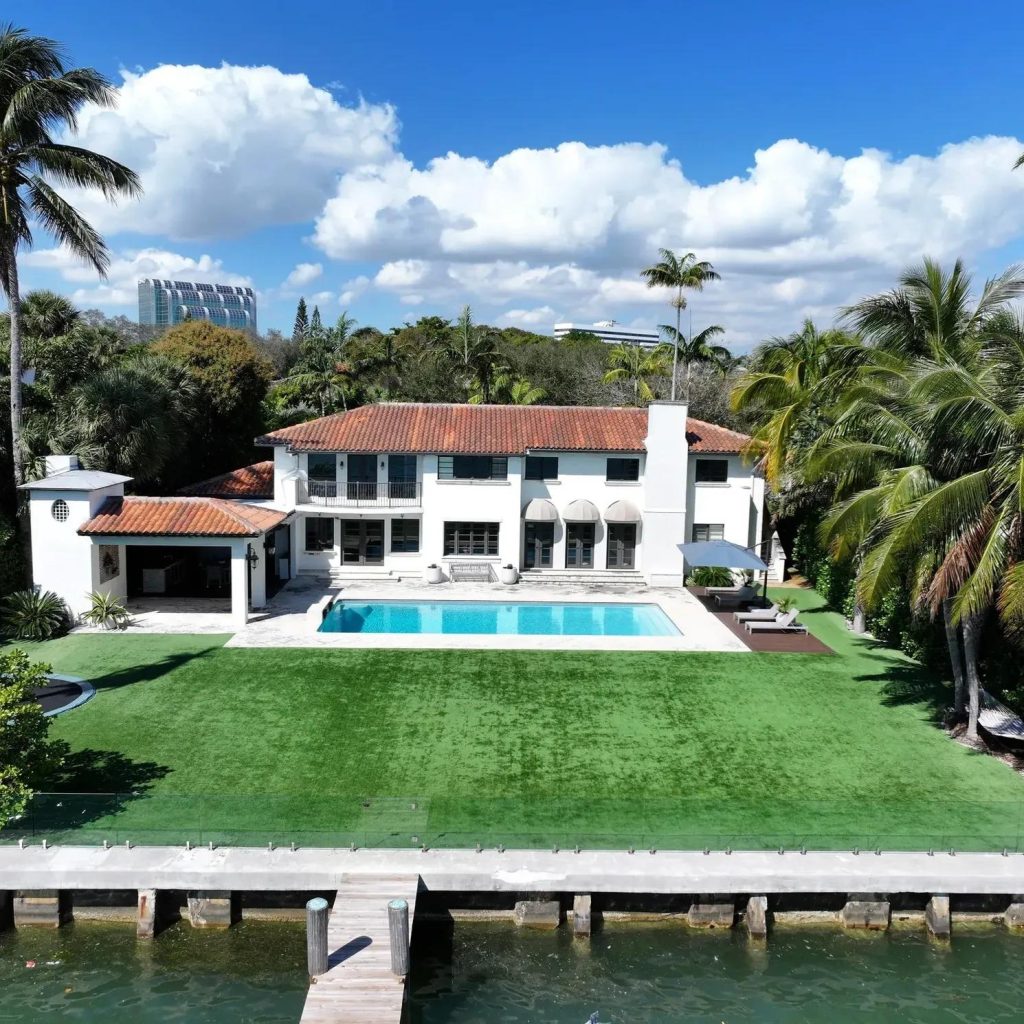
x=110, y=562
x=405, y=535
x=322, y=467
x=541, y=467
x=623, y=469
x=402, y=476
x=712, y=471
x=471, y=539
x=319, y=534
x=472, y=467
x=708, y=531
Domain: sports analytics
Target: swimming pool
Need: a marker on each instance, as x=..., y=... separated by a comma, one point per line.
x=522, y=618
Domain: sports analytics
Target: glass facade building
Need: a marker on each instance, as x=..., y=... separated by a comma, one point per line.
x=166, y=303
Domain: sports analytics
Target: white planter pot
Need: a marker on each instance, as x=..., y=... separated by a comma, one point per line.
x=508, y=576
x=433, y=574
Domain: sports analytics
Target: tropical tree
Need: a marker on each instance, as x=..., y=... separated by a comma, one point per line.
x=323, y=378
x=637, y=368
x=509, y=390
x=698, y=349
x=301, y=327
x=39, y=96
x=316, y=324
x=679, y=273
x=473, y=355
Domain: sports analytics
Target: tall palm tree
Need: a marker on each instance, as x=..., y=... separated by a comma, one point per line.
x=679, y=273
x=474, y=355
x=698, y=348
x=40, y=96
x=508, y=389
x=637, y=368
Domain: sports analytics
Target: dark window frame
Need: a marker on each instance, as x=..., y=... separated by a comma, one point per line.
x=463, y=539
x=320, y=539
x=706, y=528
x=711, y=471
x=541, y=467
x=622, y=469
x=322, y=457
x=406, y=544
x=472, y=467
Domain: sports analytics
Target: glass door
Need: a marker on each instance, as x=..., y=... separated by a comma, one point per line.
x=362, y=541
x=579, y=545
x=362, y=477
x=540, y=541
x=621, y=545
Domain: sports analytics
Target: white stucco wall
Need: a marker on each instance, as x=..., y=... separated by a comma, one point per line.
x=737, y=504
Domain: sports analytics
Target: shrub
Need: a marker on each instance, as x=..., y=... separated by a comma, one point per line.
x=107, y=611
x=35, y=615
x=711, y=576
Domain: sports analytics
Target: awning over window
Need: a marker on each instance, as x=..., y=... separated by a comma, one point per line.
x=622, y=512
x=540, y=510
x=581, y=511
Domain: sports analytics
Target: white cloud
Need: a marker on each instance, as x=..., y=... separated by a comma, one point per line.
x=351, y=290
x=802, y=232
x=223, y=151
x=302, y=275
x=126, y=269
x=541, y=316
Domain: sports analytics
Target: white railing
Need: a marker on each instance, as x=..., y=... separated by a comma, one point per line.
x=355, y=494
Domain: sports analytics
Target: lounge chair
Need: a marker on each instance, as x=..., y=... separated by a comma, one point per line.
x=782, y=623
x=741, y=595
x=757, y=615
x=711, y=591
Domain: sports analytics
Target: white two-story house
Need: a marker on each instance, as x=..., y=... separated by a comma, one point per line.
x=398, y=488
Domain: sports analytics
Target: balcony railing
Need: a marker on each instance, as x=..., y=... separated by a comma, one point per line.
x=362, y=495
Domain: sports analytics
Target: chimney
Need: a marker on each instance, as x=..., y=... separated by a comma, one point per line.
x=61, y=464
x=665, y=493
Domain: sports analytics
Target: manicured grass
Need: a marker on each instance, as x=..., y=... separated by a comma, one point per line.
x=522, y=747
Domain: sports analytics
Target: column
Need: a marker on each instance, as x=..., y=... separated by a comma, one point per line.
x=239, y=584
x=258, y=574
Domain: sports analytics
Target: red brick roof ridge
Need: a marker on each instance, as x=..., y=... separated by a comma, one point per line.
x=181, y=518
x=256, y=477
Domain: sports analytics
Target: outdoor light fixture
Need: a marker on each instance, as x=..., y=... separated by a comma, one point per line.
x=252, y=558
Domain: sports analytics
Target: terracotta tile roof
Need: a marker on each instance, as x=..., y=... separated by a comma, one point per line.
x=486, y=430
x=255, y=481
x=180, y=517
x=709, y=437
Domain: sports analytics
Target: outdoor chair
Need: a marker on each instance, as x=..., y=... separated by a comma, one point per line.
x=711, y=591
x=742, y=595
x=758, y=615
x=783, y=623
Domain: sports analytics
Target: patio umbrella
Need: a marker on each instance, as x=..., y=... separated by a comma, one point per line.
x=723, y=554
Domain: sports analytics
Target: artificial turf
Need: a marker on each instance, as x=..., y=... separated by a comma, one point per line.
x=522, y=747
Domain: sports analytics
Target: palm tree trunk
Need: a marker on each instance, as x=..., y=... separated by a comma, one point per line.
x=13, y=295
x=688, y=365
x=956, y=658
x=675, y=346
x=972, y=633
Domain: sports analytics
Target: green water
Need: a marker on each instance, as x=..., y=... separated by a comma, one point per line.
x=637, y=974
x=256, y=972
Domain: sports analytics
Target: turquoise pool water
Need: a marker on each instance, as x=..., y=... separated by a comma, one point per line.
x=498, y=618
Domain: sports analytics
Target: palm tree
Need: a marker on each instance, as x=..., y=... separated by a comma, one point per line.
x=637, y=367
x=699, y=348
x=322, y=376
x=679, y=273
x=509, y=390
x=46, y=315
x=40, y=95
x=474, y=355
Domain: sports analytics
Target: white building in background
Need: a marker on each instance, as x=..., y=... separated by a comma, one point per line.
x=610, y=332
x=394, y=489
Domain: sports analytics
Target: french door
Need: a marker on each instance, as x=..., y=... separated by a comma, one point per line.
x=579, y=545
x=621, y=545
x=362, y=477
x=540, y=541
x=362, y=541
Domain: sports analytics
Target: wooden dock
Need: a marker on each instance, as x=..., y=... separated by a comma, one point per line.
x=359, y=987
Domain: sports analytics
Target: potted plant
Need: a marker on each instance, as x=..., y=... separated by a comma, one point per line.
x=508, y=574
x=433, y=573
x=107, y=611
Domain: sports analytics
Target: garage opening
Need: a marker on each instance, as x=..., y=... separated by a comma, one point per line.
x=155, y=571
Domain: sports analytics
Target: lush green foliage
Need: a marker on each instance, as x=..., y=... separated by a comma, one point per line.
x=34, y=615
x=711, y=576
x=27, y=755
x=107, y=611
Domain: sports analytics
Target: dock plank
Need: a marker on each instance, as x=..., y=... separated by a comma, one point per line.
x=359, y=987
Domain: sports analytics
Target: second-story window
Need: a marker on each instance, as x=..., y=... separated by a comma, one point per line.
x=322, y=467
x=711, y=471
x=402, y=476
x=623, y=470
x=472, y=467
x=541, y=467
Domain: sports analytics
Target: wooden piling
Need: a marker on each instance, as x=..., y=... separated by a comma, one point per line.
x=936, y=915
x=581, y=922
x=756, y=917
x=316, y=937
x=398, y=929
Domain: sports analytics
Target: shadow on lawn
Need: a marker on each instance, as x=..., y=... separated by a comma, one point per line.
x=909, y=684
x=147, y=671
x=106, y=771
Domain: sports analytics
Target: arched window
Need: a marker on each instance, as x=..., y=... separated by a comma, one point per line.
x=60, y=511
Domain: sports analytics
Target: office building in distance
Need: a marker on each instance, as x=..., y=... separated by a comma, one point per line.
x=611, y=332
x=166, y=303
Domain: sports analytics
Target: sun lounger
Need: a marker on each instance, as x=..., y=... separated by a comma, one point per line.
x=743, y=595
x=783, y=623
x=711, y=591
x=757, y=615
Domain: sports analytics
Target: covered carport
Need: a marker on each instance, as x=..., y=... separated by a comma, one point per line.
x=188, y=548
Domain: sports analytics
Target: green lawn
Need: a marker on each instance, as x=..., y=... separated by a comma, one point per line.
x=458, y=747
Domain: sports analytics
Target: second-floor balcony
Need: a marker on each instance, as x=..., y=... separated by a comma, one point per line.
x=355, y=494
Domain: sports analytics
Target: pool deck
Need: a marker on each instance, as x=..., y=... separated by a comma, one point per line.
x=295, y=614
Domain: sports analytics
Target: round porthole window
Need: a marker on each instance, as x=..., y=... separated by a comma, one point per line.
x=60, y=511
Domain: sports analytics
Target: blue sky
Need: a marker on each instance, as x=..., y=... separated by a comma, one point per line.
x=738, y=130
